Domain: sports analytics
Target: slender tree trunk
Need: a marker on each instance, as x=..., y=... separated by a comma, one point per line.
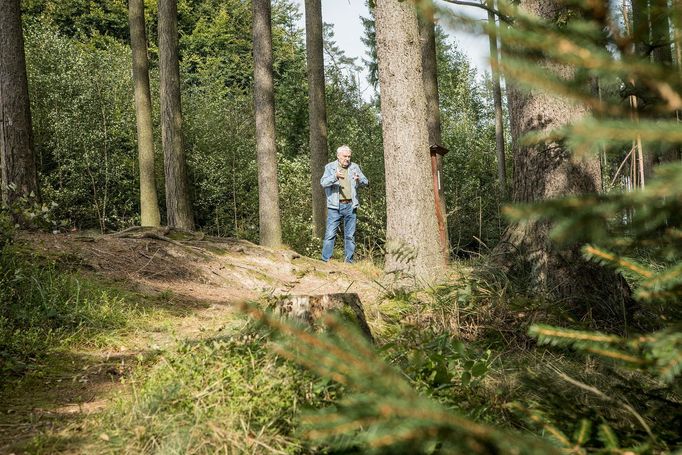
x=427, y=37
x=411, y=226
x=497, y=100
x=17, y=155
x=660, y=32
x=149, y=205
x=264, y=101
x=677, y=27
x=547, y=171
x=317, y=111
x=178, y=207
x=661, y=38
x=641, y=31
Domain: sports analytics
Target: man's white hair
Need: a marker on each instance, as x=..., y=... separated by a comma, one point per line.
x=343, y=148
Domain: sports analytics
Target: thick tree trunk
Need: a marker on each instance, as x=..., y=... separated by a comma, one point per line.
x=264, y=101
x=149, y=205
x=317, y=111
x=413, y=245
x=497, y=101
x=546, y=171
x=427, y=37
x=17, y=158
x=178, y=207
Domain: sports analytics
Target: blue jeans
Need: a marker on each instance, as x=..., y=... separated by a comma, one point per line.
x=346, y=213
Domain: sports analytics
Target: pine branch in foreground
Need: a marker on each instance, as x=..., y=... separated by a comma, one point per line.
x=382, y=412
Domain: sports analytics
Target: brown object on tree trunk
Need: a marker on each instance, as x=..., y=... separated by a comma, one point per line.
x=149, y=205
x=178, y=207
x=266, y=149
x=413, y=245
x=317, y=111
x=427, y=37
x=17, y=154
x=311, y=309
x=546, y=171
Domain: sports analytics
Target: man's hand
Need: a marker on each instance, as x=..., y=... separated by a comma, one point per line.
x=356, y=177
x=339, y=175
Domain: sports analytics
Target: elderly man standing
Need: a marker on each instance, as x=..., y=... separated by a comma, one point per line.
x=341, y=180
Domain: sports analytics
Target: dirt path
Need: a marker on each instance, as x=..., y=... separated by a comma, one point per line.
x=199, y=282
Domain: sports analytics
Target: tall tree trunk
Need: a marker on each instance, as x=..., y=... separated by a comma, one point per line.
x=546, y=171
x=317, y=111
x=17, y=157
x=662, y=54
x=641, y=29
x=178, y=207
x=677, y=27
x=660, y=32
x=641, y=32
x=427, y=37
x=266, y=150
x=497, y=101
x=411, y=226
x=149, y=205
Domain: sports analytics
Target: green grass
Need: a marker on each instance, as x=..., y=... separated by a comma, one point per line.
x=45, y=308
x=224, y=395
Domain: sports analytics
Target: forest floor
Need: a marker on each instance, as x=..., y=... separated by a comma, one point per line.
x=188, y=290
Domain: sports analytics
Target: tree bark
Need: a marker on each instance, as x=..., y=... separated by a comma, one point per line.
x=497, y=101
x=677, y=27
x=641, y=32
x=662, y=54
x=317, y=111
x=546, y=171
x=427, y=37
x=266, y=150
x=149, y=205
x=17, y=155
x=178, y=207
x=413, y=245
x=660, y=32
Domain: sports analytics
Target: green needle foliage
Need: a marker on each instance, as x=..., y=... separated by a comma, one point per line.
x=635, y=232
x=382, y=412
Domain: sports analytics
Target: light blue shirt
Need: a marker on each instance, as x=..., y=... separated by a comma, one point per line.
x=332, y=185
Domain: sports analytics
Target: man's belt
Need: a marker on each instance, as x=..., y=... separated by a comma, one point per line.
x=345, y=201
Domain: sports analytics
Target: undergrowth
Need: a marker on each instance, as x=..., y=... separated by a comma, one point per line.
x=45, y=308
x=222, y=395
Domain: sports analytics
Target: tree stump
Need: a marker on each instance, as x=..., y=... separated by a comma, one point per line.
x=310, y=309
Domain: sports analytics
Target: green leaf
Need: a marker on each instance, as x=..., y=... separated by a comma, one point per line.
x=479, y=369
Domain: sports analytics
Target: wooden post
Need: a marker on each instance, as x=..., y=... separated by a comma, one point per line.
x=437, y=153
